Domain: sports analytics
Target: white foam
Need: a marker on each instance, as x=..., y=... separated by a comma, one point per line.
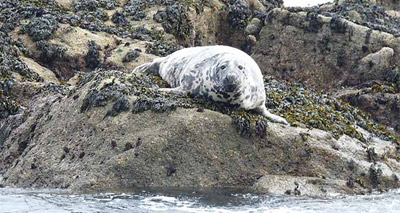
x=304, y=3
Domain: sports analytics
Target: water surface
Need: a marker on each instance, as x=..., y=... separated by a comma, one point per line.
x=22, y=200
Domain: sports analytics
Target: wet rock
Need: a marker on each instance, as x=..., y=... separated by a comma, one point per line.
x=299, y=153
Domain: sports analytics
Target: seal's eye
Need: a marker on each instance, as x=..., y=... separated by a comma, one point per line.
x=223, y=67
x=240, y=67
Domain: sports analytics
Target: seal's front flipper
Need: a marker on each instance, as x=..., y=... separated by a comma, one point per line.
x=176, y=90
x=274, y=118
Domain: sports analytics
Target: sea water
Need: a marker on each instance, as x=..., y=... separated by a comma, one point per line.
x=167, y=200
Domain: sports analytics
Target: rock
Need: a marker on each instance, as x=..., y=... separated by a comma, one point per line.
x=383, y=107
x=97, y=129
x=304, y=186
x=73, y=44
x=322, y=43
x=66, y=4
x=254, y=26
x=131, y=55
x=354, y=15
x=375, y=65
x=179, y=147
x=46, y=74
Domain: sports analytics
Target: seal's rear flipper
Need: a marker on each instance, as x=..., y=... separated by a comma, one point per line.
x=274, y=118
x=152, y=67
x=142, y=68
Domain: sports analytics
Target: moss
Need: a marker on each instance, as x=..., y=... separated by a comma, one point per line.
x=361, y=182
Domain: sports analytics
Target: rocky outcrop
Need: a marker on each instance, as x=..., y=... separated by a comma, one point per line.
x=330, y=49
x=388, y=4
x=74, y=142
x=346, y=52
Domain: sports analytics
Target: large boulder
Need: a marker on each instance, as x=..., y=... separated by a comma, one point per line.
x=87, y=141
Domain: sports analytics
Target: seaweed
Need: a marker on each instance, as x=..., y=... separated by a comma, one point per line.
x=92, y=58
x=239, y=14
x=131, y=55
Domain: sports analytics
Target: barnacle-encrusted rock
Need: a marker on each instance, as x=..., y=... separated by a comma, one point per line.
x=131, y=55
x=41, y=28
x=50, y=52
x=7, y=107
x=161, y=48
x=177, y=21
x=119, y=18
x=92, y=58
x=239, y=14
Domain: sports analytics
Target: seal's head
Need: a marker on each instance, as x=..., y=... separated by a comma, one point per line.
x=229, y=74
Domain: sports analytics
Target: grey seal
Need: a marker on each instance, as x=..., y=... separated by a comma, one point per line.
x=219, y=73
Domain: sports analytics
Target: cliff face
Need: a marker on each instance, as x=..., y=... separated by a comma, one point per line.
x=72, y=115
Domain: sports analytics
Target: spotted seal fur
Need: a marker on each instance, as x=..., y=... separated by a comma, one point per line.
x=220, y=73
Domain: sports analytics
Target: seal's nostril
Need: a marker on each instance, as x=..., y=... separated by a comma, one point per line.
x=240, y=67
x=231, y=79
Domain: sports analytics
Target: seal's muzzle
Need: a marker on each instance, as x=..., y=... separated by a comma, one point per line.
x=231, y=82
